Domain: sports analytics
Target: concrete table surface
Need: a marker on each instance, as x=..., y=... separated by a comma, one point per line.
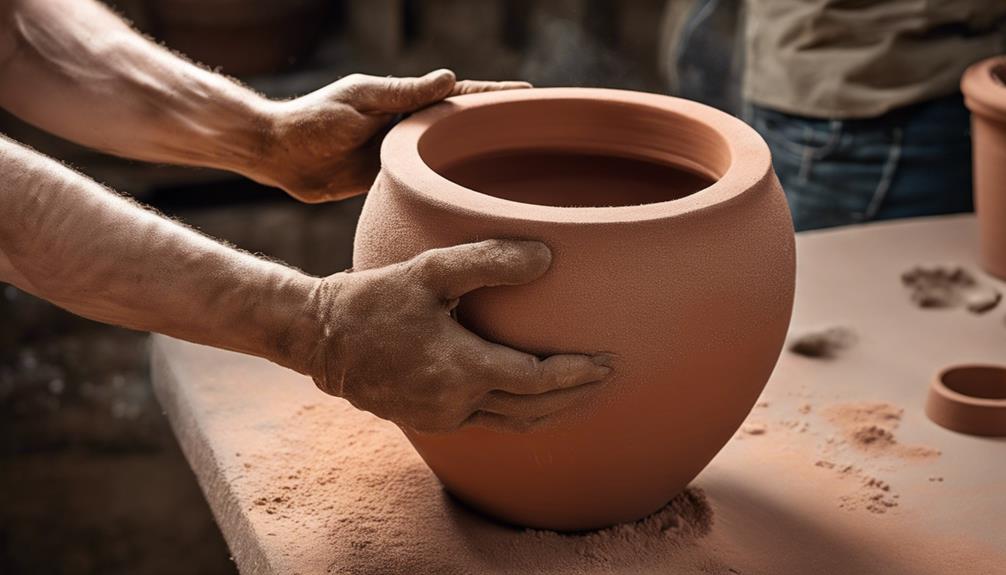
x=270, y=451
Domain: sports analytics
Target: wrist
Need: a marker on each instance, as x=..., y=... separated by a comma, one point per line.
x=297, y=328
x=262, y=141
x=247, y=141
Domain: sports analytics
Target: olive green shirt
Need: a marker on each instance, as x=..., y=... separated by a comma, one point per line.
x=862, y=58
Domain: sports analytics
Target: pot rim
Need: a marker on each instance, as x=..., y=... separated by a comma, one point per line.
x=971, y=414
x=749, y=159
x=983, y=94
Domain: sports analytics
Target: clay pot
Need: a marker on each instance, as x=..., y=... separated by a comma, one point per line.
x=984, y=86
x=969, y=399
x=677, y=257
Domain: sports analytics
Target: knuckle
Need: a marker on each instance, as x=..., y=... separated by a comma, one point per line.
x=354, y=79
x=540, y=372
x=422, y=266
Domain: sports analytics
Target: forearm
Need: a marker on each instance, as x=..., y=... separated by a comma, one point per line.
x=74, y=243
x=74, y=68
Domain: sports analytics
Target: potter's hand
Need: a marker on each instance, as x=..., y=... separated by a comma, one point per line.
x=392, y=348
x=74, y=68
x=324, y=146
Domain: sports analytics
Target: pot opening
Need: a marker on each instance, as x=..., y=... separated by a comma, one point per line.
x=576, y=152
x=984, y=382
x=999, y=74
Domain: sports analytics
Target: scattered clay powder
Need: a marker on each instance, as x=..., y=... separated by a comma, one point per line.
x=873, y=435
x=949, y=287
x=795, y=424
x=869, y=493
x=848, y=415
x=874, y=496
x=870, y=427
x=370, y=501
x=823, y=344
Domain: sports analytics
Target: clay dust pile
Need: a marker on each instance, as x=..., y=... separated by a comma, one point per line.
x=366, y=497
x=870, y=427
x=871, y=493
x=866, y=428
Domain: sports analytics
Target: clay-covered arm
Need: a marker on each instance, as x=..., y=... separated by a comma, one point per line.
x=69, y=240
x=383, y=339
x=74, y=68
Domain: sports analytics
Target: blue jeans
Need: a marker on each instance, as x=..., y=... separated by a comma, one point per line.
x=914, y=161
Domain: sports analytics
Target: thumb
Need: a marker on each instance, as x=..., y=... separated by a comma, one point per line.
x=389, y=95
x=455, y=271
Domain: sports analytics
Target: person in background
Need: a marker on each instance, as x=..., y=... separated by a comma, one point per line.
x=383, y=339
x=860, y=102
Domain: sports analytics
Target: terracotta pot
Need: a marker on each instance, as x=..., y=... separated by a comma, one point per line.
x=690, y=288
x=969, y=399
x=984, y=86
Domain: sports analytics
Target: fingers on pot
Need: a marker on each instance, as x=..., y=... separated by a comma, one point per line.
x=399, y=95
x=497, y=422
x=457, y=270
x=502, y=411
x=532, y=407
x=475, y=86
x=520, y=373
x=352, y=178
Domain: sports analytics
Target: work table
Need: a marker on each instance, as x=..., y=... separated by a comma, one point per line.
x=304, y=483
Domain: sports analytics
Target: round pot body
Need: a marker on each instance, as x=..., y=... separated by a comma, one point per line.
x=672, y=250
x=984, y=86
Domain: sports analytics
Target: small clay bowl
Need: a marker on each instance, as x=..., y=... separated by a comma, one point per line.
x=970, y=399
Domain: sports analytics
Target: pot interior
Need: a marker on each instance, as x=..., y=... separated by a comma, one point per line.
x=981, y=381
x=575, y=152
x=999, y=74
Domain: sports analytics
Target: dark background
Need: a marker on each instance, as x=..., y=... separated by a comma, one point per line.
x=91, y=478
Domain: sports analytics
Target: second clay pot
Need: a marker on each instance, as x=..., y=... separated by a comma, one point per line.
x=984, y=86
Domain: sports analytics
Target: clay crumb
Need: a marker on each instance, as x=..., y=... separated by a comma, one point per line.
x=874, y=496
x=823, y=344
x=754, y=429
x=762, y=404
x=949, y=286
x=982, y=300
x=873, y=435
